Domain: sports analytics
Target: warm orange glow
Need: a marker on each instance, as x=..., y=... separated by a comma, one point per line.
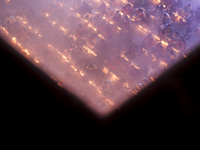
x=59, y=3
x=163, y=64
x=119, y=28
x=14, y=40
x=123, y=56
x=36, y=60
x=4, y=30
x=26, y=51
x=110, y=102
x=175, y=50
x=164, y=44
x=101, y=36
x=78, y=15
x=105, y=70
x=152, y=79
x=135, y=66
x=143, y=29
x=96, y=87
x=63, y=56
x=95, y=53
x=60, y=85
x=7, y=1
x=156, y=37
x=145, y=52
x=82, y=73
x=114, y=77
x=154, y=58
x=74, y=68
x=156, y=1
x=74, y=37
x=46, y=15
x=126, y=84
x=178, y=17
x=89, y=51
x=63, y=29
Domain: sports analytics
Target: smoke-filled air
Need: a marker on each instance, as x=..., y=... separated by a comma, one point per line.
x=103, y=51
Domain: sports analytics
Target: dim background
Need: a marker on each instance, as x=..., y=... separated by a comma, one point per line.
x=30, y=101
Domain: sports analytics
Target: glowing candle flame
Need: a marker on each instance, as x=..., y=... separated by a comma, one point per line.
x=110, y=102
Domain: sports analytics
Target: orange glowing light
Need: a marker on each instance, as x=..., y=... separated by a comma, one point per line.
x=143, y=29
x=36, y=60
x=82, y=73
x=165, y=44
x=123, y=56
x=145, y=51
x=121, y=13
x=119, y=28
x=154, y=58
x=60, y=85
x=178, y=17
x=126, y=85
x=114, y=77
x=74, y=68
x=89, y=51
x=135, y=66
x=175, y=50
x=26, y=51
x=163, y=64
x=62, y=55
x=105, y=70
x=93, y=57
x=156, y=1
x=110, y=102
x=7, y=1
x=14, y=40
x=59, y=3
x=63, y=29
x=78, y=15
x=152, y=79
x=101, y=36
x=46, y=15
x=95, y=86
x=4, y=30
x=156, y=37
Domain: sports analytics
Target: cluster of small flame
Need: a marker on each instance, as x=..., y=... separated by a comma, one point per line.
x=18, y=44
x=131, y=63
x=105, y=70
x=64, y=30
x=100, y=92
x=110, y=21
x=113, y=77
x=164, y=43
x=89, y=24
x=178, y=17
x=67, y=58
x=54, y=23
x=25, y=23
x=144, y=29
x=81, y=73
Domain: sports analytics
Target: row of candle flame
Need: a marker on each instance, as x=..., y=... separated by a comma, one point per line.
x=105, y=70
